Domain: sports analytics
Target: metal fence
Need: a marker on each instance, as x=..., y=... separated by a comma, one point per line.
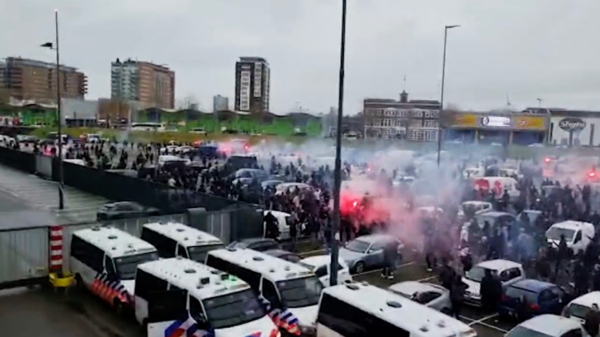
x=23, y=255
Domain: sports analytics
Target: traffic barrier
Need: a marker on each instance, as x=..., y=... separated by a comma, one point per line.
x=24, y=256
x=56, y=248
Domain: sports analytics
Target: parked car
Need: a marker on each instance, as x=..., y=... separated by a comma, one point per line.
x=578, y=308
x=124, y=210
x=284, y=254
x=258, y=244
x=428, y=294
x=509, y=272
x=542, y=298
x=321, y=265
x=548, y=326
x=366, y=252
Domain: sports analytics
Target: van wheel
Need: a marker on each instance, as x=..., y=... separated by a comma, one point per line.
x=79, y=283
x=359, y=268
x=119, y=308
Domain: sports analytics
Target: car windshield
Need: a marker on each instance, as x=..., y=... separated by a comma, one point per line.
x=578, y=311
x=476, y=273
x=520, y=331
x=302, y=292
x=358, y=246
x=198, y=253
x=308, y=266
x=554, y=233
x=127, y=265
x=233, y=309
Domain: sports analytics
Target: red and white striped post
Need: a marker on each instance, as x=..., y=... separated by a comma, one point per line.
x=56, y=249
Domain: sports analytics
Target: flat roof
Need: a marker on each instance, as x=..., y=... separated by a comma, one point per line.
x=184, y=235
x=114, y=242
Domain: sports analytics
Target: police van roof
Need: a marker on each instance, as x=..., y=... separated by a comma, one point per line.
x=184, y=235
x=114, y=242
x=272, y=268
x=199, y=280
x=400, y=311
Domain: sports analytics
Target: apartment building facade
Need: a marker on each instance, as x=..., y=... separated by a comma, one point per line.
x=252, y=84
x=414, y=120
x=149, y=84
x=31, y=80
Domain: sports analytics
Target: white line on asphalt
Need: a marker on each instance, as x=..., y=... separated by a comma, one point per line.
x=492, y=327
x=322, y=250
x=379, y=270
x=427, y=278
x=483, y=319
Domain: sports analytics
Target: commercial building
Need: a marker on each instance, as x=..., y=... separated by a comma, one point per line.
x=573, y=127
x=152, y=85
x=500, y=127
x=31, y=80
x=220, y=103
x=414, y=120
x=252, y=84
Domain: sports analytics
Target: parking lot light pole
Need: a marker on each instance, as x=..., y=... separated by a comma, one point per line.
x=338, y=156
x=61, y=200
x=440, y=119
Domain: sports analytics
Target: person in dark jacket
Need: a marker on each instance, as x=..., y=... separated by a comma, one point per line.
x=457, y=295
x=491, y=291
x=390, y=255
x=592, y=321
x=271, y=224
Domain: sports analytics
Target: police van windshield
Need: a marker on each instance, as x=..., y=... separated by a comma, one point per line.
x=198, y=253
x=233, y=309
x=127, y=265
x=301, y=292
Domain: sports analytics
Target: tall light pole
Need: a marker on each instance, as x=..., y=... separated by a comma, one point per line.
x=440, y=119
x=338, y=156
x=61, y=199
x=539, y=102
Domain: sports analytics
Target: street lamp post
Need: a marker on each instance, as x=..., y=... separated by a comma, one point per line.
x=338, y=156
x=61, y=200
x=439, y=147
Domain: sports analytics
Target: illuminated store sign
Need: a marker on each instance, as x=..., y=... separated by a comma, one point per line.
x=496, y=121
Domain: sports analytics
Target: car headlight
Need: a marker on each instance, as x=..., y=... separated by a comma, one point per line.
x=308, y=330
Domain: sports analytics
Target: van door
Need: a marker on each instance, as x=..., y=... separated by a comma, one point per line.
x=579, y=242
x=167, y=314
x=181, y=251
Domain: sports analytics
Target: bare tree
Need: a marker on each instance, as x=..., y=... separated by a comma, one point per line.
x=188, y=102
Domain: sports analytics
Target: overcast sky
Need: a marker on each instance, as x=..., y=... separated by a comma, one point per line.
x=526, y=49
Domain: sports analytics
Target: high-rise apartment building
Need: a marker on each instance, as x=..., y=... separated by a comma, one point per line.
x=220, y=103
x=150, y=84
x=252, y=84
x=26, y=79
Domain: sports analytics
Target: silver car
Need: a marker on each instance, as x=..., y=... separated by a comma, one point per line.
x=428, y=294
x=366, y=252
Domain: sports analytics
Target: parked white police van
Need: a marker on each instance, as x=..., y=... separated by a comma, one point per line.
x=364, y=310
x=180, y=297
x=290, y=291
x=173, y=239
x=105, y=259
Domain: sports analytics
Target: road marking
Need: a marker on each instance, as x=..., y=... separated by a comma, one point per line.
x=427, y=278
x=492, y=327
x=306, y=254
x=379, y=270
x=479, y=321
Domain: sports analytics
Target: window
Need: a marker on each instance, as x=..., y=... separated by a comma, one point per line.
x=577, y=237
x=198, y=253
x=146, y=284
x=87, y=253
x=302, y=292
x=164, y=245
x=197, y=312
x=270, y=293
x=321, y=271
x=350, y=321
x=426, y=297
x=109, y=265
x=233, y=309
x=166, y=306
x=514, y=273
x=124, y=207
x=126, y=266
x=182, y=252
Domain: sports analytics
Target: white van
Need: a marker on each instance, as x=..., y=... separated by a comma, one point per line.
x=105, y=259
x=578, y=235
x=578, y=308
x=282, y=224
x=173, y=239
x=290, y=291
x=366, y=310
x=509, y=272
x=180, y=297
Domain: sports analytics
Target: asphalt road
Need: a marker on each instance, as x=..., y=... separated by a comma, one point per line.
x=17, y=213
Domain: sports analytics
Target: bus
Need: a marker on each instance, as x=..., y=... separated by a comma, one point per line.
x=180, y=297
x=289, y=291
x=176, y=239
x=104, y=259
x=154, y=127
x=357, y=309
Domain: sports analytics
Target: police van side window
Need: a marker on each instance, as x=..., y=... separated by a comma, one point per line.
x=164, y=245
x=181, y=251
x=350, y=321
x=87, y=253
x=109, y=266
x=270, y=293
x=147, y=284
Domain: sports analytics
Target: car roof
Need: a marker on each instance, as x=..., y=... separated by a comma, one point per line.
x=532, y=285
x=371, y=238
x=278, y=252
x=411, y=287
x=571, y=224
x=588, y=299
x=184, y=235
x=493, y=214
x=388, y=306
x=114, y=242
x=270, y=267
x=319, y=260
x=277, y=214
x=250, y=241
x=499, y=264
x=551, y=325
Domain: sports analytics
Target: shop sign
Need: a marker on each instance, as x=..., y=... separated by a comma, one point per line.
x=496, y=121
x=571, y=124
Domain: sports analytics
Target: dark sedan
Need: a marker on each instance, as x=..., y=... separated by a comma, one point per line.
x=527, y=298
x=258, y=244
x=124, y=210
x=284, y=254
